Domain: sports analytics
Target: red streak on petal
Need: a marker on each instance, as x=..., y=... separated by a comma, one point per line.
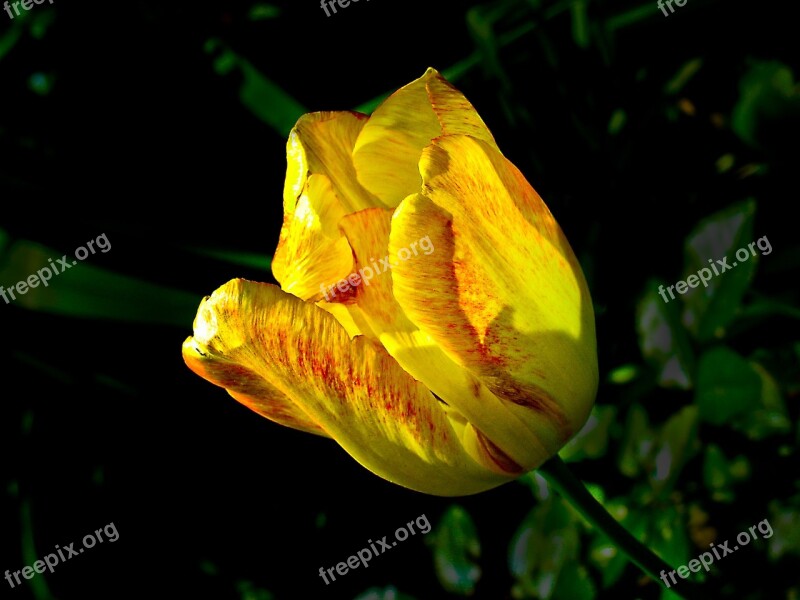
x=500, y=458
x=340, y=297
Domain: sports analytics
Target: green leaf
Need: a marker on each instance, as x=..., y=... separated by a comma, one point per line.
x=92, y=292
x=717, y=474
x=455, y=550
x=37, y=24
x=727, y=386
x=623, y=374
x=725, y=163
x=720, y=474
x=592, y=440
x=710, y=308
x=607, y=557
x=768, y=97
x=10, y=38
x=683, y=76
x=536, y=484
x=266, y=100
x=30, y=553
x=637, y=443
x=544, y=544
x=41, y=83
x=580, y=23
x=766, y=308
x=251, y=260
x=770, y=416
x=678, y=443
x=634, y=16
x=617, y=121
x=603, y=552
x=41, y=22
x=663, y=340
x=784, y=520
x=261, y=11
x=250, y=591
x=667, y=535
x=209, y=568
x=480, y=23
x=574, y=583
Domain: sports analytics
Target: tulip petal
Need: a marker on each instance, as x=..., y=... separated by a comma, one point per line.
x=381, y=318
x=456, y=114
x=521, y=320
x=367, y=232
x=387, y=151
x=312, y=252
x=247, y=387
x=254, y=337
x=320, y=188
x=322, y=143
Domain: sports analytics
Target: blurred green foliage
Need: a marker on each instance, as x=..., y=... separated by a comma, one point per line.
x=696, y=431
x=456, y=549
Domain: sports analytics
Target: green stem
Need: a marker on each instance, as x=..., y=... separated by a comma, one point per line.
x=562, y=479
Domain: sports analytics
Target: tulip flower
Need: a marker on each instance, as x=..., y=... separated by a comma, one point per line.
x=431, y=318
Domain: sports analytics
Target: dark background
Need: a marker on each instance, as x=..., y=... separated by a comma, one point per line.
x=159, y=124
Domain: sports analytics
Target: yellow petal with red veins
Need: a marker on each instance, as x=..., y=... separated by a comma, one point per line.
x=503, y=294
x=381, y=318
x=255, y=338
x=386, y=154
x=245, y=385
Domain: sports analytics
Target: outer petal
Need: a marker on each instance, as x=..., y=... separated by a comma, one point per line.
x=389, y=146
x=503, y=294
x=243, y=384
x=252, y=337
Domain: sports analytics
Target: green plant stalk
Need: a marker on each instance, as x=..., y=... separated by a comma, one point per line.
x=563, y=480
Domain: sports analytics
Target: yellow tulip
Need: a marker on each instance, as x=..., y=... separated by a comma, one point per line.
x=432, y=318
